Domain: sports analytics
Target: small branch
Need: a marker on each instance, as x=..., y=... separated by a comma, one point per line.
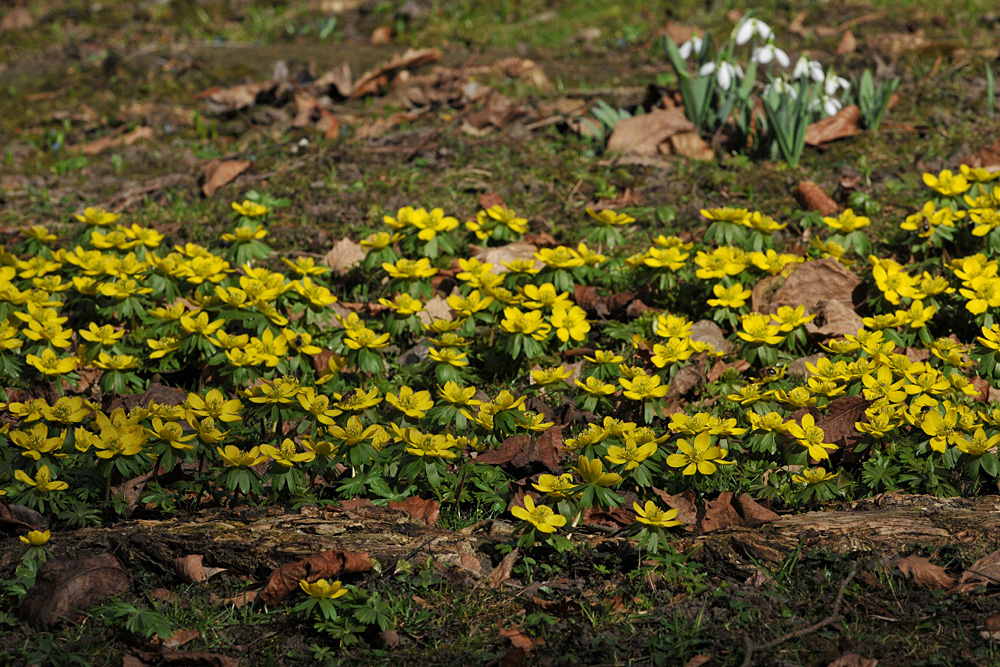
x=834, y=616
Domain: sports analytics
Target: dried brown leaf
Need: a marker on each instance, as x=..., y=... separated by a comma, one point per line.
x=642, y=134
x=222, y=172
x=814, y=198
x=923, y=571
x=63, y=587
x=986, y=571
x=501, y=572
x=179, y=638
x=707, y=331
x=192, y=569
x=834, y=318
x=504, y=253
x=687, y=511
x=18, y=18
x=525, y=456
x=231, y=100
x=382, y=35
x=728, y=511
x=324, y=565
x=807, y=285
x=187, y=659
x=840, y=126
x=686, y=380
x=344, y=256
x=374, y=81
x=851, y=659
x=987, y=157
x=848, y=44
x=337, y=80
x=839, y=423
x=698, y=661
x=420, y=509
x=691, y=145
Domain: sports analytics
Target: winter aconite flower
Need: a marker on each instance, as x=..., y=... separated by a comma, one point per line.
x=323, y=589
x=541, y=516
x=42, y=481
x=701, y=456
x=811, y=437
x=652, y=515
x=36, y=538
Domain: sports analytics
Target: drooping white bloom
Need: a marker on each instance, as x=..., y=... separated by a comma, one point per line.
x=767, y=53
x=781, y=87
x=746, y=28
x=693, y=45
x=831, y=105
x=725, y=73
x=810, y=68
x=833, y=83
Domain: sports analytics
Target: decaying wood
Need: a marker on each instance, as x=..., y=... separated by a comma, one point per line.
x=256, y=541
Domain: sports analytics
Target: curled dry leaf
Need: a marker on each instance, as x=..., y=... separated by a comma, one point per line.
x=814, y=198
x=987, y=157
x=687, y=511
x=807, y=285
x=985, y=571
x=526, y=455
x=192, y=569
x=840, y=126
x=839, y=424
x=179, y=638
x=501, y=572
x=643, y=134
x=686, y=380
x=374, y=81
x=324, y=565
x=420, y=509
x=848, y=44
x=183, y=658
x=691, y=145
x=63, y=587
x=923, y=571
x=231, y=100
x=834, y=318
x=221, y=172
x=504, y=253
x=729, y=511
x=344, y=256
x=338, y=81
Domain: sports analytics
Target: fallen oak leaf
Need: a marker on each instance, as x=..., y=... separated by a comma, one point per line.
x=501, y=572
x=840, y=126
x=923, y=571
x=426, y=511
x=192, y=569
x=63, y=587
x=374, y=81
x=324, y=565
x=986, y=570
x=643, y=134
x=814, y=198
x=728, y=511
x=222, y=172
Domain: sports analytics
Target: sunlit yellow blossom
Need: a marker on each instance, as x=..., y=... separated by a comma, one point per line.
x=652, y=515
x=250, y=209
x=591, y=471
x=733, y=296
x=643, y=387
x=556, y=487
x=947, y=183
x=42, y=481
x=234, y=457
x=701, y=456
x=814, y=476
x=541, y=517
x=50, y=364
x=287, y=453
x=570, y=322
x=811, y=437
x=847, y=222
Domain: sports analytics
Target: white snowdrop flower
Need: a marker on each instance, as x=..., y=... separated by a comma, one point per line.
x=809, y=68
x=781, y=87
x=767, y=53
x=725, y=73
x=833, y=83
x=744, y=32
x=831, y=105
x=693, y=45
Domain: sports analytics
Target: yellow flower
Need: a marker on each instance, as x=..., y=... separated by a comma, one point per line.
x=448, y=355
x=631, y=455
x=643, y=387
x=404, y=304
x=570, y=322
x=353, y=432
x=36, y=538
x=698, y=457
x=42, y=481
x=102, y=335
x=591, y=471
x=757, y=328
x=490, y=222
x=559, y=257
x=529, y=324
x=66, y=410
x=721, y=262
x=947, y=183
x=811, y=437
x=547, y=376
x=729, y=297
x=814, y=476
x=215, y=405
x=605, y=357
x=358, y=400
x=97, y=217
x=380, y=240
x=556, y=487
x=654, y=516
x=117, y=362
x=237, y=458
x=412, y=404
x=408, y=269
x=541, y=517
x=287, y=454
x=50, y=364
x=979, y=444
x=456, y=395
x=595, y=387
x=172, y=433
x=848, y=222
x=665, y=258
x=610, y=218
x=357, y=339
x=250, y=209
x=245, y=234
x=738, y=216
x=322, y=589
x=200, y=324
x=941, y=428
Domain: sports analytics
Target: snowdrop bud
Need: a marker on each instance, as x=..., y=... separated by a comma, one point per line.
x=831, y=105
x=810, y=68
x=834, y=82
x=706, y=69
x=693, y=45
x=745, y=30
x=767, y=53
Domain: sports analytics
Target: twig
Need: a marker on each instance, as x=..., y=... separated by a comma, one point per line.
x=834, y=616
